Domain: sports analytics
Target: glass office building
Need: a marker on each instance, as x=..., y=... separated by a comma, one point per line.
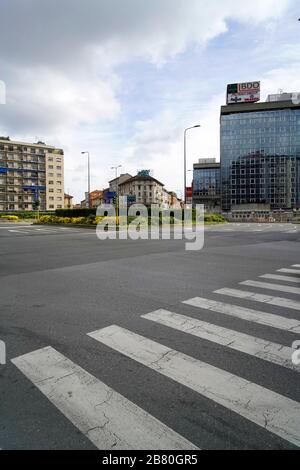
x=260, y=154
x=207, y=183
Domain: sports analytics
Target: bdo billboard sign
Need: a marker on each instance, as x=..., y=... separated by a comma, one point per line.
x=248, y=92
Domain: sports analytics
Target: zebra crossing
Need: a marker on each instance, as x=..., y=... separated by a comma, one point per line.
x=111, y=421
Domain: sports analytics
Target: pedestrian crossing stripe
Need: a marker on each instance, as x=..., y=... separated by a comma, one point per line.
x=266, y=299
x=256, y=347
x=247, y=314
x=270, y=286
x=278, y=277
x=104, y=416
x=270, y=410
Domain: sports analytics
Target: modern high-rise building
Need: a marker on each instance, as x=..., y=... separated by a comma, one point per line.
x=260, y=153
x=207, y=183
x=30, y=175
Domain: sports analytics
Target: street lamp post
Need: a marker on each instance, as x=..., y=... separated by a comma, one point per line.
x=116, y=169
x=184, y=170
x=89, y=178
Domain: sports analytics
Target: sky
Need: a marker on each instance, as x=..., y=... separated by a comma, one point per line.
x=122, y=79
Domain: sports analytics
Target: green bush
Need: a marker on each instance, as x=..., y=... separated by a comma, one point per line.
x=214, y=218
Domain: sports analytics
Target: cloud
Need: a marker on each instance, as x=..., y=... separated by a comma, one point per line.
x=42, y=100
x=58, y=56
x=64, y=32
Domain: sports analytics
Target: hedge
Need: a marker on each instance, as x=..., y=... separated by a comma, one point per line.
x=83, y=212
x=25, y=214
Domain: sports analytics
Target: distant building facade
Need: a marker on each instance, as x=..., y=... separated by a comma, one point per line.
x=114, y=184
x=146, y=190
x=96, y=198
x=68, y=204
x=30, y=175
x=260, y=154
x=207, y=184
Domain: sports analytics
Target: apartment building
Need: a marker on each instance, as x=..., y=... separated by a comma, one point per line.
x=96, y=198
x=68, y=201
x=30, y=174
x=114, y=184
x=148, y=190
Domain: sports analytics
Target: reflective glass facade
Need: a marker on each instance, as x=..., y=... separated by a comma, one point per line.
x=206, y=182
x=260, y=158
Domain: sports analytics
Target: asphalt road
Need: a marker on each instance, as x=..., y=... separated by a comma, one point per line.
x=122, y=387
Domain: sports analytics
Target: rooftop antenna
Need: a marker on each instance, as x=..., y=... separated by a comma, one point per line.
x=280, y=91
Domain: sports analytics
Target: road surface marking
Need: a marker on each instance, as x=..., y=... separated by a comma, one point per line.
x=256, y=316
x=266, y=299
x=277, y=277
x=296, y=266
x=267, y=285
x=18, y=231
x=289, y=271
x=6, y=227
x=266, y=350
x=45, y=230
x=104, y=416
x=266, y=408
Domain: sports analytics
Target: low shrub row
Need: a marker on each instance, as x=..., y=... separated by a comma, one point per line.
x=73, y=213
x=214, y=218
x=94, y=220
x=11, y=218
x=54, y=219
x=25, y=214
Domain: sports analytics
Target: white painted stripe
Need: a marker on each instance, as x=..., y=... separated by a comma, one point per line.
x=107, y=418
x=267, y=285
x=18, y=231
x=266, y=299
x=47, y=230
x=296, y=266
x=289, y=271
x=266, y=350
x=277, y=277
x=268, y=409
x=256, y=316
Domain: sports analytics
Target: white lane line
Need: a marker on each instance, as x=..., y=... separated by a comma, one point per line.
x=289, y=271
x=277, y=277
x=6, y=227
x=296, y=266
x=267, y=285
x=18, y=231
x=266, y=299
x=268, y=409
x=45, y=230
x=256, y=316
x=104, y=416
x=266, y=350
